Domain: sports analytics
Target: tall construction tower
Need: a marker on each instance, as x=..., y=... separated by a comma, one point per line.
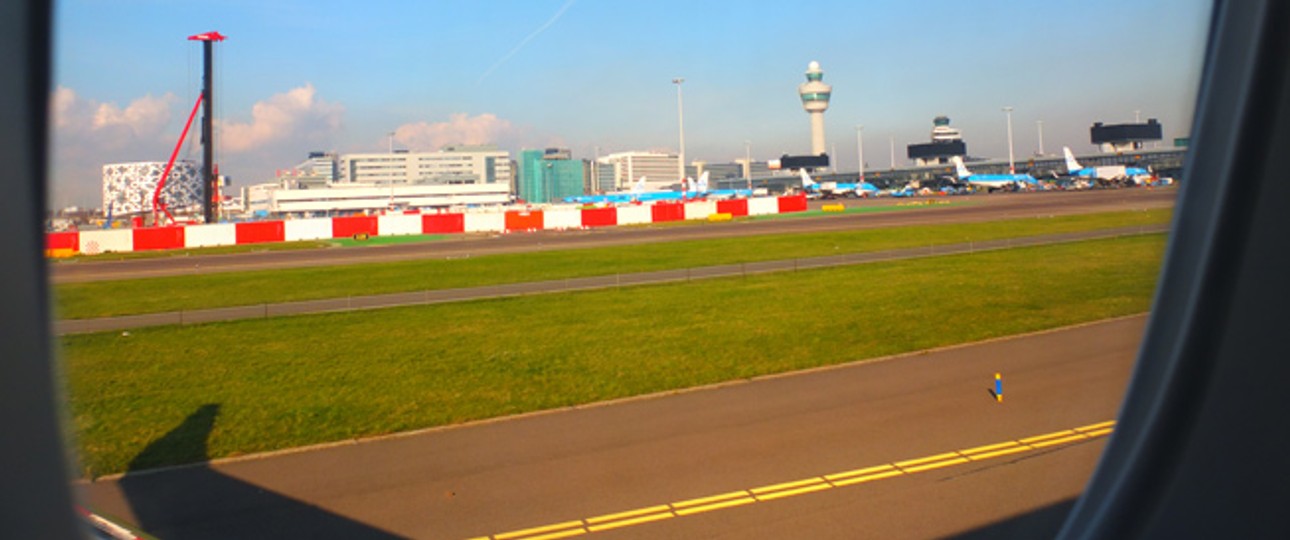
x=815, y=99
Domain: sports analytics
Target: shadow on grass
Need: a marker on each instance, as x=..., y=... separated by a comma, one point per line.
x=1043, y=522
x=198, y=501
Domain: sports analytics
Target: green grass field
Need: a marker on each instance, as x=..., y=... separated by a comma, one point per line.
x=193, y=252
x=108, y=298
x=287, y=382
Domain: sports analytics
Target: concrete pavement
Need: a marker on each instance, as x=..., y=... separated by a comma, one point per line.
x=543, y=469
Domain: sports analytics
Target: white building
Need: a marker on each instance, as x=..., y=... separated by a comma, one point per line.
x=454, y=165
x=342, y=198
x=128, y=187
x=625, y=168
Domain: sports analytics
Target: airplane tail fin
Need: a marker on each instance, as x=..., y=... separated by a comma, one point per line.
x=960, y=168
x=1071, y=164
x=702, y=185
x=639, y=186
x=807, y=183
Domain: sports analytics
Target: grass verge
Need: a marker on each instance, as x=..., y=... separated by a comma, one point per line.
x=128, y=297
x=190, y=252
x=287, y=382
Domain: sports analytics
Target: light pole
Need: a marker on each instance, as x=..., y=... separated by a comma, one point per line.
x=748, y=163
x=1040, y=123
x=1012, y=166
x=680, y=122
x=860, y=149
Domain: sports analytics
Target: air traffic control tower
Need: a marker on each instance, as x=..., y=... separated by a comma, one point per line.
x=815, y=99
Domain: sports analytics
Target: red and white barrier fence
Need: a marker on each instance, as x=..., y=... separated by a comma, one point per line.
x=91, y=242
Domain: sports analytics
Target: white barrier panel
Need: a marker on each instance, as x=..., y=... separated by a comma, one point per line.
x=490, y=222
x=95, y=242
x=398, y=224
x=306, y=229
x=215, y=234
x=762, y=206
x=630, y=215
x=562, y=218
x=700, y=209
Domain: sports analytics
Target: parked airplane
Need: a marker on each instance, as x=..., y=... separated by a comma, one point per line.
x=1115, y=173
x=830, y=190
x=991, y=181
x=638, y=193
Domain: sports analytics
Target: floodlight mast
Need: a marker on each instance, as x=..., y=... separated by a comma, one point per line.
x=209, y=187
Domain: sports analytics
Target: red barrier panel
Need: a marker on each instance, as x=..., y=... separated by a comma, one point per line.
x=793, y=203
x=63, y=240
x=345, y=227
x=158, y=238
x=443, y=223
x=600, y=217
x=667, y=212
x=523, y=221
x=259, y=232
x=735, y=207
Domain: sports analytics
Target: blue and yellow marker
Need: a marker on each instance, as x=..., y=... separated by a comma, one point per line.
x=998, y=387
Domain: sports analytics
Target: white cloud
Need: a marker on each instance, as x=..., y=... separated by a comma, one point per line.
x=459, y=129
x=295, y=115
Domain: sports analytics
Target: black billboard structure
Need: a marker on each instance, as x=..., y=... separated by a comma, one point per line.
x=1124, y=137
x=793, y=163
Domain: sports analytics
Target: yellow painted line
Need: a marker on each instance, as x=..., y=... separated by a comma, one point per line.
x=997, y=453
x=928, y=459
x=791, y=492
x=785, y=485
x=1064, y=440
x=561, y=534
x=936, y=465
x=1097, y=426
x=868, y=478
x=629, y=513
x=988, y=448
x=634, y=521
x=809, y=485
x=1053, y=435
x=705, y=500
x=537, y=530
x=858, y=472
x=714, y=506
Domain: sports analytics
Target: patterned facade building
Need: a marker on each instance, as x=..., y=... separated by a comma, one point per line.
x=128, y=187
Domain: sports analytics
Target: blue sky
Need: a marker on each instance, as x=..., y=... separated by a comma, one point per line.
x=299, y=75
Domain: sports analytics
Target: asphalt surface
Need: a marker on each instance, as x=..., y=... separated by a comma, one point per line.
x=560, y=467
x=439, y=296
x=974, y=208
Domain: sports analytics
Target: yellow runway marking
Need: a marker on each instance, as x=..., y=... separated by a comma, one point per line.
x=868, y=478
x=1063, y=440
x=1015, y=449
x=785, y=485
x=536, y=530
x=1097, y=426
x=633, y=521
x=938, y=457
x=1044, y=437
x=629, y=513
x=936, y=465
x=858, y=472
x=714, y=506
x=808, y=485
x=791, y=492
x=704, y=500
x=988, y=448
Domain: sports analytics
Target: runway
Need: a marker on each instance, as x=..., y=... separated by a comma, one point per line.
x=968, y=209
x=551, y=471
